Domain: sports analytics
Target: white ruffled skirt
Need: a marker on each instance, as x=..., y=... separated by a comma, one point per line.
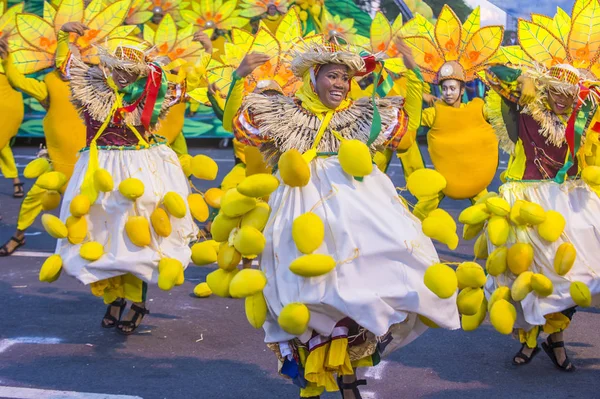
x=160, y=170
x=580, y=206
x=381, y=255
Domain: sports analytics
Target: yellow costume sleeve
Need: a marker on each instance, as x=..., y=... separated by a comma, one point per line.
x=33, y=87
x=413, y=106
x=428, y=117
x=234, y=102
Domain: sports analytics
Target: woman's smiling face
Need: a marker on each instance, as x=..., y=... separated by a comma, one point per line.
x=560, y=103
x=332, y=84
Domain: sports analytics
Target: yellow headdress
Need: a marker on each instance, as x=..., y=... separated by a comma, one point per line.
x=256, y=8
x=564, y=50
x=35, y=48
x=452, y=50
x=321, y=53
x=214, y=14
x=7, y=22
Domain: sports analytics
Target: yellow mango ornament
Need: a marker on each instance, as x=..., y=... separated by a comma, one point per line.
x=312, y=265
x=294, y=169
x=103, y=181
x=235, y=204
x=581, y=295
x=515, y=214
x=591, y=175
x=440, y=226
x=80, y=205
x=169, y=272
x=213, y=196
x=202, y=290
x=259, y=185
x=51, y=269
x=474, y=214
x=91, y=251
x=480, y=248
x=138, y=231
x=355, y=158
x=51, y=181
x=131, y=188
x=472, y=323
x=219, y=281
x=257, y=217
x=50, y=200
x=532, y=213
x=470, y=274
x=498, y=230
x=503, y=316
x=198, y=207
x=256, y=310
x=161, y=222
x=469, y=301
x=521, y=286
x=294, y=318
x=77, y=229
x=222, y=226
x=542, y=285
x=36, y=168
x=441, y=280
x=249, y=242
x=471, y=231
x=425, y=183
x=54, y=226
x=247, y=282
x=174, y=204
x=520, y=258
x=497, y=206
x=204, y=253
x=204, y=167
x=564, y=258
x=228, y=257
x=497, y=262
x=502, y=292
x=552, y=228
x=308, y=232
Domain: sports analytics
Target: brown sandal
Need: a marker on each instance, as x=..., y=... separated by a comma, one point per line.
x=4, y=249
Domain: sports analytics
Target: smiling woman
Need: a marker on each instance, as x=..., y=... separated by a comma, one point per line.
x=334, y=218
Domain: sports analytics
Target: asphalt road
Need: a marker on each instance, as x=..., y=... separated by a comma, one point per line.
x=52, y=346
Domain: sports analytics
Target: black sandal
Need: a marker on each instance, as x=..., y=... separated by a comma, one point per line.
x=139, y=313
x=119, y=303
x=350, y=386
x=18, y=193
x=526, y=359
x=549, y=347
x=4, y=249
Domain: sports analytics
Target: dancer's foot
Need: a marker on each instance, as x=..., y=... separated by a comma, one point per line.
x=555, y=349
x=18, y=189
x=525, y=355
x=113, y=313
x=15, y=242
x=349, y=386
x=134, y=318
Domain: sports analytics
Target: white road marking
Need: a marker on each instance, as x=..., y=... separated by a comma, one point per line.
x=25, y=156
x=32, y=254
x=8, y=342
x=376, y=373
x=368, y=395
x=36, y=233
x=30, y=393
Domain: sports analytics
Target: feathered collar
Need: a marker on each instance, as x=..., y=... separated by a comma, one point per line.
x=288, y=125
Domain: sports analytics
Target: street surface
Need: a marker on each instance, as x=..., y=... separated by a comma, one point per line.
x=52, y=345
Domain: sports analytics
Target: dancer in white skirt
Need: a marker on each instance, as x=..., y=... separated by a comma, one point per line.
x=544, y=255
x=126, y=218
x=374, y=300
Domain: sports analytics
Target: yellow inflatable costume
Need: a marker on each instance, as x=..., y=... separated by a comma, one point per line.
x=462, y=144
x=63, y=129
x=11, y=101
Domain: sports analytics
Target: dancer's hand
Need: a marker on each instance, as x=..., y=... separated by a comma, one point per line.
x=527, y=89
x=4, y=46
x=406, y=52
x=250, y=63
x=203, y=38
x=429, y=99
x=74, y=27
